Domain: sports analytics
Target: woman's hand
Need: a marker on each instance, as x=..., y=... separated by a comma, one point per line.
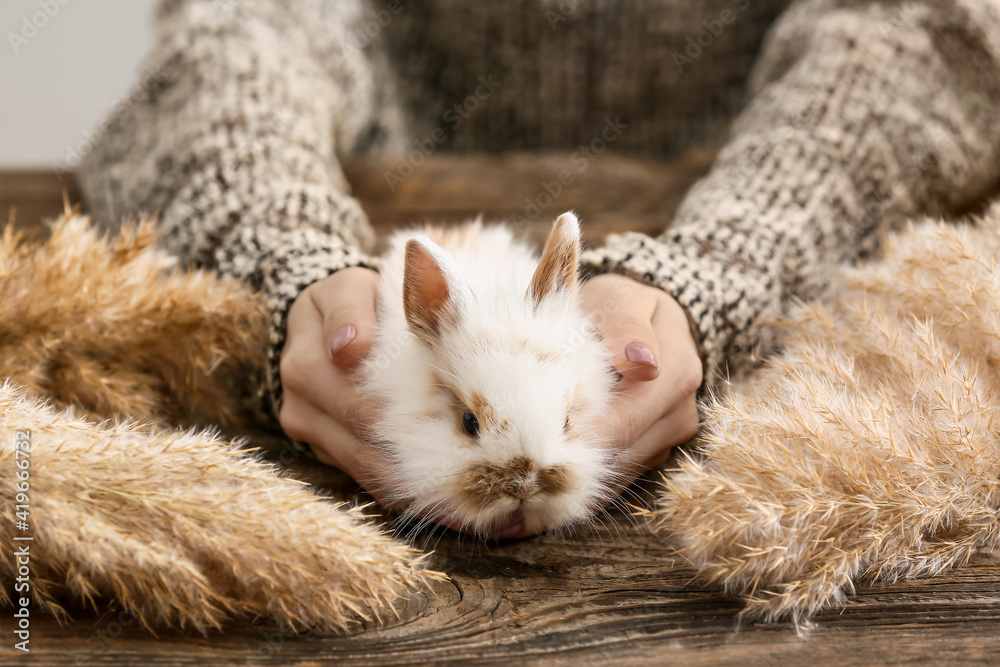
x=331, y=326
x=653, y=348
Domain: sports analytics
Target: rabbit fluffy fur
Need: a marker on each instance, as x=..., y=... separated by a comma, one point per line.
x=472, y=322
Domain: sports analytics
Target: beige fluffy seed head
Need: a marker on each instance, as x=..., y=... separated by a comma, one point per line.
x=183, y=529
x=868, y=449
x=180, y=528
x=110, y=326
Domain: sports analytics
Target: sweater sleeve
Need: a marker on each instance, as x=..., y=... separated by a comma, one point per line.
x=232, y=136
x=862, y=114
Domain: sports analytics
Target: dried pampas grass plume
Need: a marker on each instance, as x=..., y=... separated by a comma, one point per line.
x=868, y=450
x=185, y=530
x=109, y=325
x=181, y=528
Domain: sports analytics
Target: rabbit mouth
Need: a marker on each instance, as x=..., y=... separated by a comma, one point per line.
x=506, y=529
x=510, y=528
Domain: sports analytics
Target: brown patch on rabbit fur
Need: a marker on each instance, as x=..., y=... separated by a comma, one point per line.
x=476, y=403
x=455, y=403
x=486, y=484
x=557, y=268
x=554, y=480
x=450, y=236
x=425, y=296
x=487, y=416
x=529, y=347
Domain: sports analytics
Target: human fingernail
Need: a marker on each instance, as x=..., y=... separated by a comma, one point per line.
x=640, y=354
x=342, y=337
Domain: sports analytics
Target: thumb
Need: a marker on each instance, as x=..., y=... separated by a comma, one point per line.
x=346, y=301
x=634, y=347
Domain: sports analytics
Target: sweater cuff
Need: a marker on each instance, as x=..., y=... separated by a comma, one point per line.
x=294, y=261
x=694, y=282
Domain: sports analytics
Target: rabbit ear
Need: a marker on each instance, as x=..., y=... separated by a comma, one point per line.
x=433, y=289
x=557, y=269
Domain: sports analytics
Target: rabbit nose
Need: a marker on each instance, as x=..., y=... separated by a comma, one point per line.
x=522, y=488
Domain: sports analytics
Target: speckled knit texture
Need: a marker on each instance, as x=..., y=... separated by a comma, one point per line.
x=861, y=113
x=236, y=146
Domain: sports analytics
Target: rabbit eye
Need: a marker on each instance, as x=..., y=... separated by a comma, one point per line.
x=470, y=424
x=566, y=425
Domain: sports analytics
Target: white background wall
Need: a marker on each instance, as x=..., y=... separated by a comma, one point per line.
x=66, y=76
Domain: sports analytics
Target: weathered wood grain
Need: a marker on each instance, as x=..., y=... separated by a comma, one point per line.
x=31, y=197
x=612, y=194
x=611, y=593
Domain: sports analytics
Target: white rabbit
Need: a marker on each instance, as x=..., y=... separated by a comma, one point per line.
x=490, y=378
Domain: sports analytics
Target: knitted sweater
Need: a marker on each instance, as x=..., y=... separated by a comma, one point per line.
x=862, y=112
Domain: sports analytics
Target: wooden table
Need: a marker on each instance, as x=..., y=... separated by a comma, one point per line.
x=611, y=593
